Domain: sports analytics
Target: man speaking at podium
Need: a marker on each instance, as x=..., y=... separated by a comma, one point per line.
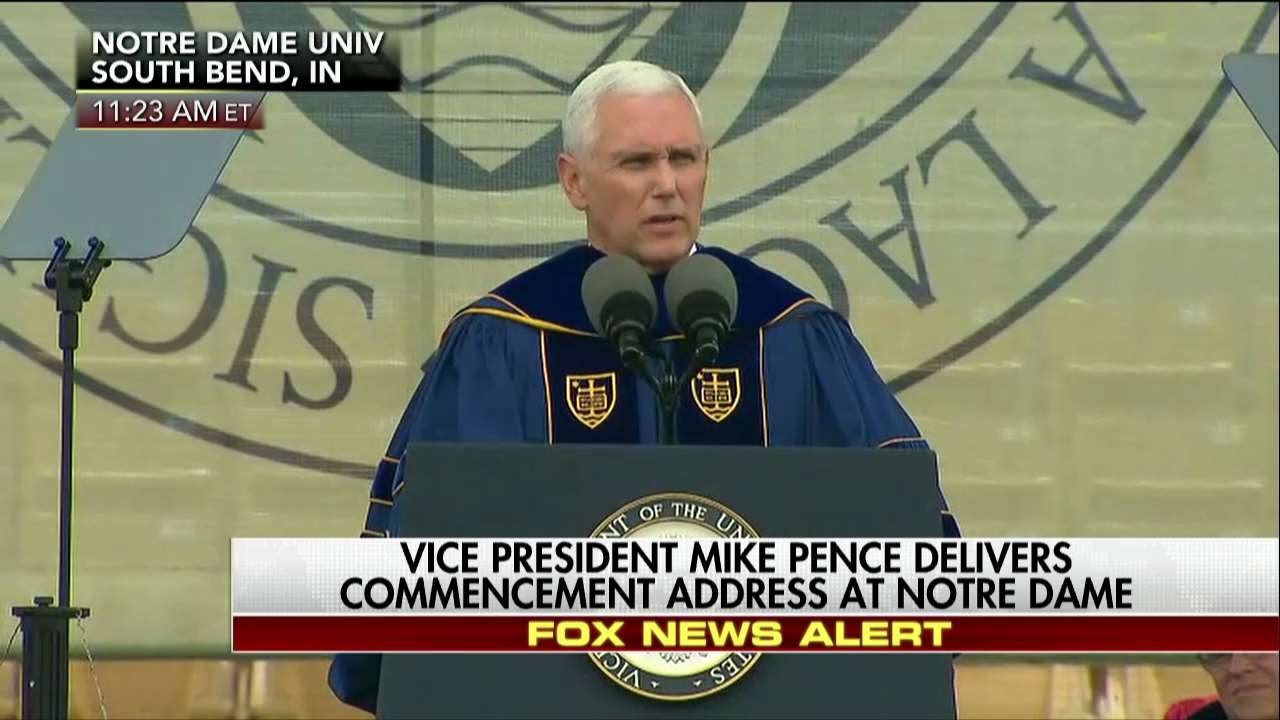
x=527, y=363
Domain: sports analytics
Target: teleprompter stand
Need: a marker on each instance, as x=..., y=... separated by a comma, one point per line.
x=140, y=189
x=72, y=284
x=45, y=626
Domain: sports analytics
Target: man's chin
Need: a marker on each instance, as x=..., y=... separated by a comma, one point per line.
x=662, y=255
x=1253, y=708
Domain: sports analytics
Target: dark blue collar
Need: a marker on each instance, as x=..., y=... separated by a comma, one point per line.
x=551, y=292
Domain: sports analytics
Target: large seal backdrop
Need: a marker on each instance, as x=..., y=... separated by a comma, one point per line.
x=1054, y=226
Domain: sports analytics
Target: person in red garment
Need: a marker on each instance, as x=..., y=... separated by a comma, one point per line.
x=1248, y=689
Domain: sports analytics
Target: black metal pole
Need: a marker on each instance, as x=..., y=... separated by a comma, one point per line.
x=661, y=386
x=668, y=412
x=671, y=388
x=69, y=325
x=72, y=285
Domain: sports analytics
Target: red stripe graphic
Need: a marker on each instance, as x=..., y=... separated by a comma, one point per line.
x=169, y=111
x=972, y=634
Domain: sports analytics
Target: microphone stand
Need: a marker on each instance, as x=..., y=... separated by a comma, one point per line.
x=663, y=388
x=667, y=388
x=705, y=337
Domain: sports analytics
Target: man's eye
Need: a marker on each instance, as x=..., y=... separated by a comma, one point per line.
x=635, y=161
x=683, y=158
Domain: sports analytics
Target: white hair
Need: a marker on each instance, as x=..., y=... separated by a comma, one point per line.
x=631, y=77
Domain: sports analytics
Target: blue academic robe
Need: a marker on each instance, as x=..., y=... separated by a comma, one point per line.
x=523, y=364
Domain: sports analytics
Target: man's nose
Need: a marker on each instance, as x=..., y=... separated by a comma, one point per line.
x=665, y=181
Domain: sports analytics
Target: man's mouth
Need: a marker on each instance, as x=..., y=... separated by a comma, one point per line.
x=1249, y=689
x=661, y=219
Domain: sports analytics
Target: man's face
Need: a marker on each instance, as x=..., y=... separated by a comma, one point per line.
x=1247, y=684
x=641, y=183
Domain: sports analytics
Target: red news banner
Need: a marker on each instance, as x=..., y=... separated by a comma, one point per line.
x=603, y=595
x=170, y=110
x=959, y=633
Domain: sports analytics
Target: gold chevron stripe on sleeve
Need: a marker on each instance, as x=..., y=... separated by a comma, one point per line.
x=790, y=308
x=523, y=320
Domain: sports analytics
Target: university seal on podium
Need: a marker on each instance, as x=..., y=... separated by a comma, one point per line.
x=674, y=675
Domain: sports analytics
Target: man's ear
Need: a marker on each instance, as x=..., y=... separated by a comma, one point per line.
x=570, y=173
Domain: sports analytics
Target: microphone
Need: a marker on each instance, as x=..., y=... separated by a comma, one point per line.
x=702, y=298
x=620, y=302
